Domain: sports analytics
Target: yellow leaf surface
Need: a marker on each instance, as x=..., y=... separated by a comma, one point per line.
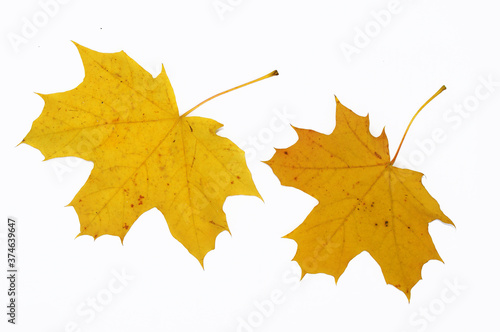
x=145, y=155
x=365, y=203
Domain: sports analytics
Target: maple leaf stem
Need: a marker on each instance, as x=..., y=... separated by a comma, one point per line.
x=411, y=121
x=273, y=73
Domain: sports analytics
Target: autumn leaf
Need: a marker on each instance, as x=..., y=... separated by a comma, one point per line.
x=145, y=155
x=365, y=203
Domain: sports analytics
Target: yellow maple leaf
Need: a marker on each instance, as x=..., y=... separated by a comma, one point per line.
x=145, y=155
x=365, y=203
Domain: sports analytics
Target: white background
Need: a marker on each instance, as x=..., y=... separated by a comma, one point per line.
x=403, y=61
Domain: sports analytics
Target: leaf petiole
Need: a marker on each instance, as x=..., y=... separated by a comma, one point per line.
x=406, y=131
x=273, y=73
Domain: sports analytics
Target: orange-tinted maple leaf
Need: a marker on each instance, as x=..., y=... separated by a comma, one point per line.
x=365, y=203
